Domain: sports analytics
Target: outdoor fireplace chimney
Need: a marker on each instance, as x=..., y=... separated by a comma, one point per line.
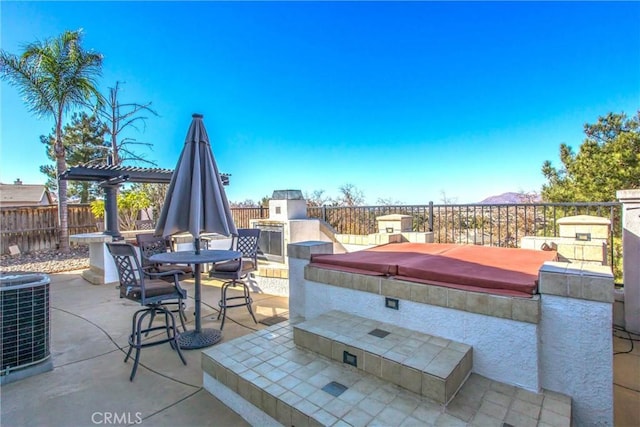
x=287, y=204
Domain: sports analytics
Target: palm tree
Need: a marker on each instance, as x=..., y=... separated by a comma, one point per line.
x=54, y=77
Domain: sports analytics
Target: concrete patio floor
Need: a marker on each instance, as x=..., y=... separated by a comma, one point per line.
x=90, y=385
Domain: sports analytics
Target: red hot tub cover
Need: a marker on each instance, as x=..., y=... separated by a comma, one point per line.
x=503, y=271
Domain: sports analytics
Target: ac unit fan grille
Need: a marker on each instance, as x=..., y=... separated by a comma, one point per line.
x=24, y=326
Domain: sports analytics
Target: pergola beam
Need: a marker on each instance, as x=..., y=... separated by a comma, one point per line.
x=111, y=177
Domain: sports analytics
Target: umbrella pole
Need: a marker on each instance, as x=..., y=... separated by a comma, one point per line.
x=197, y=273
x=196, y=243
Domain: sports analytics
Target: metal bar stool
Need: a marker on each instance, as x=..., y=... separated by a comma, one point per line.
x=151, y=292
x=235, y=272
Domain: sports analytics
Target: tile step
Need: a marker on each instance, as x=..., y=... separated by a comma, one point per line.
x=427, y=365
x=295, y=386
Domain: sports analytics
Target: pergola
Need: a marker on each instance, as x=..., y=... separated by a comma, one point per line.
x=110, y=177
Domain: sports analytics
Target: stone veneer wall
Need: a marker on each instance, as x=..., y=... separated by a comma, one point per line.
x=559, y=340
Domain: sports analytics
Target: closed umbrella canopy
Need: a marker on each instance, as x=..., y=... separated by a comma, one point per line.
x=196, y=201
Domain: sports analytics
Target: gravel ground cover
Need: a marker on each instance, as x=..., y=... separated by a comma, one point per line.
x=50, y=261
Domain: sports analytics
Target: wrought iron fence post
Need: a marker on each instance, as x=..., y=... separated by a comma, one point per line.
x=611, y=236
x=430, y=216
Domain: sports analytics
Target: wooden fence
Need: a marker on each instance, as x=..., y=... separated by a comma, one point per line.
x=241, y=216
x=35, y=228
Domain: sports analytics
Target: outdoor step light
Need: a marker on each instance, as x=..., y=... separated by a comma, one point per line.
x=392, y=303
x=350, y=359
x=334, y=388
x=379, y=333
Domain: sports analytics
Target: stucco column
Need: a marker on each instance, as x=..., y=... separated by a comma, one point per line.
x=299, y=256
x=576, y=345
x=631, y=252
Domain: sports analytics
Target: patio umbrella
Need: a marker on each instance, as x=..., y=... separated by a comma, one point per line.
x=196, y=201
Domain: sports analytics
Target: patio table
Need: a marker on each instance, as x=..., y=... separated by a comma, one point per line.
x=199, y=337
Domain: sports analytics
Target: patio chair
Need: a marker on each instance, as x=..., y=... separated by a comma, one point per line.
x=149, y=291
x=236, y=271
x=150, y=245
x=204, y=244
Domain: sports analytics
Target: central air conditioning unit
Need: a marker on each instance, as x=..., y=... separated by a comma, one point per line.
x=24, y=326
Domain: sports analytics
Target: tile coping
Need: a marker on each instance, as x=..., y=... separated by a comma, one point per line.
x=514, y=308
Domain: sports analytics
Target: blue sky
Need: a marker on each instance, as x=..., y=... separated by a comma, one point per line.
x=407, y=100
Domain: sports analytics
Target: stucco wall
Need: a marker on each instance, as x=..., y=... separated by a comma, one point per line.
x=631, y=248
x=577, y=356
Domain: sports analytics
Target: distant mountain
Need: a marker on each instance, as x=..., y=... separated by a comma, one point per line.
x=510, y=198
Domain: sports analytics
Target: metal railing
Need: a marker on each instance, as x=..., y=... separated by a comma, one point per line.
x=362, y=219
x=494, y=225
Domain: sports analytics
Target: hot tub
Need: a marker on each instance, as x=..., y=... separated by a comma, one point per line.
x=501, y=271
